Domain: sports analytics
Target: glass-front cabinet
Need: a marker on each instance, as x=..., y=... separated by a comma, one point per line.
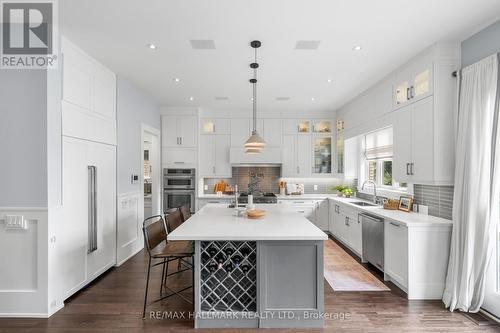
x=340, y=146
x=322, y=155
x=322, y=126
x=413, y=82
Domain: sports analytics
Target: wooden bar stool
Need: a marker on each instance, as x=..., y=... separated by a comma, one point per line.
x=185, y=212
x=163, y=252
x=174, y=220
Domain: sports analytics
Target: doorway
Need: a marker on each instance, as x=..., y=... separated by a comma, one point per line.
x=151, y=170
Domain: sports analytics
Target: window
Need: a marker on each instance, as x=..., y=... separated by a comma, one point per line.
x=377, y=157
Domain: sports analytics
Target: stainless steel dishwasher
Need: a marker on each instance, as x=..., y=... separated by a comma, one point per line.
x=373, y=239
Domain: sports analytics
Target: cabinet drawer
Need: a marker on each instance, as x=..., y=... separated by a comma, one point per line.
x=179, y=157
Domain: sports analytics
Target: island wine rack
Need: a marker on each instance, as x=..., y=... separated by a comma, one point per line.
x=228, y=276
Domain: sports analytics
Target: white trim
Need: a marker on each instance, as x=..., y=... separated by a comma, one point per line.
x=118, y=264
x=489, y=315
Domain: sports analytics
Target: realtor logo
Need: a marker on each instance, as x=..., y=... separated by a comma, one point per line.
x=28, y=34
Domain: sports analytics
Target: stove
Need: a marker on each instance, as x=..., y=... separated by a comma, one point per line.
x=261, y=198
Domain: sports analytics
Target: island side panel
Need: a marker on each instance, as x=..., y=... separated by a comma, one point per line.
x=290, y=283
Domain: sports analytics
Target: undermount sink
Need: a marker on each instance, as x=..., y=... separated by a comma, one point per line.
x=364, y=204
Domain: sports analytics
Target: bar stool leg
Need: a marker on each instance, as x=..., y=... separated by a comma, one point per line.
x=162, y=277
x=146, y=292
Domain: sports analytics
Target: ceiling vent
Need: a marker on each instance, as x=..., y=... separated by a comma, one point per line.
x=307, y=45
x=202, y=44
x=221, y=98
x=282, y=98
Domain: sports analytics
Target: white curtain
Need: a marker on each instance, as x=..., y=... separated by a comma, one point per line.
x=475, y=201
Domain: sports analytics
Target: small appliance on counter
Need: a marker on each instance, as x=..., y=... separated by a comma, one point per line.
x=294, y=189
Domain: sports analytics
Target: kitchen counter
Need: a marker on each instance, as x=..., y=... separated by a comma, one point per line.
x=215, y=196
x=244, y=268
x=409, y=219
x=217, y=222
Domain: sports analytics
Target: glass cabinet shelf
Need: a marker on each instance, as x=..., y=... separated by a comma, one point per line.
x=304, y=126
x=322, y=155
x=324, y=126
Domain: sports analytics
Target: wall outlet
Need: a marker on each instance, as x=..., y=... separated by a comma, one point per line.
x=134, y=179
x=16, y=222
x=315, y=187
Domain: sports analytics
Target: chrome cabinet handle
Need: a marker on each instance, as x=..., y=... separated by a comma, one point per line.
x=407, y=170
x=298, y=202
x=180, y=139
x=213, y=170
x=408, y=93
x=301, y=211
x=395, y=224
x=412, y=91
x=92, y=208
x=178, y=162
x=298, y=169
x=411, y=168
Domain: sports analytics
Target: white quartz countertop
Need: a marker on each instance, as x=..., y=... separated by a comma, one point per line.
x=406, y=218
x=218, y=222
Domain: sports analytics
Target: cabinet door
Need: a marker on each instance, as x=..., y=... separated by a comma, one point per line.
x=272, y=132
x=396, y=252
x=105, y=93
x=422, y=79
x=322, y=159
x=338, y=223
x=322, y=126
x=322, y=210
x=289, y=167
x=103, y=158
x=188, y=131
x=402, y=87
x=422, y=167
x=356, y=234
x=72, y=234
x=169, y=132
x=240, y=131
x=402, y=144
x=179, y=157
x=290, y=126
x=222, y=164
x=215, y=126
x=207, y=156
x=304, y=155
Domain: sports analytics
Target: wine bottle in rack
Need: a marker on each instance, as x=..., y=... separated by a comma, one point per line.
x=245, y=251
x=245, y=268
x=236, y=260
x=229, y=267
x=229, y=251
x=212, y=251
x=212, y=267
x=220, y=259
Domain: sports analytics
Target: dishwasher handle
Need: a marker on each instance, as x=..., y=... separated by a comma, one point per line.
x=371, y=217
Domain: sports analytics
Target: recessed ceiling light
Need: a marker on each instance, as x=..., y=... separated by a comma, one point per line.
x=251, y=98
x=177, y=80
x=151, y=46
x=282, y=98
x=191, y=98
x=313, y=99
x=329, y=80
x=221, y=98
x=357, y=48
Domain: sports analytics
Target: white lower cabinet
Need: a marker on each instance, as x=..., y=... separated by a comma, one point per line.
x=316, y=211
x=79, y=263
x=345, y=226
x=396, y=252
x=322, y=212
x=224, y=200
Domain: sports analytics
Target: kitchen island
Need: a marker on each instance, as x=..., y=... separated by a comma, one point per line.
x=255, y=273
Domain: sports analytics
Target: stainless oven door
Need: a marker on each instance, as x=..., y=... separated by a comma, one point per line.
x=177, y=198
x=178, y=182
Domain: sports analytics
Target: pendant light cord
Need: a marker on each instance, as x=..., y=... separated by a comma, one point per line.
x=255, y=95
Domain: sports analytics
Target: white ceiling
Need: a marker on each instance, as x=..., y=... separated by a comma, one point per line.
x=390, y=31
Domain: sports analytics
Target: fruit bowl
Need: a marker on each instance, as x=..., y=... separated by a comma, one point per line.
x=256, y=213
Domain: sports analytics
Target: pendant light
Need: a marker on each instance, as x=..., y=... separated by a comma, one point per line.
x=255, y=143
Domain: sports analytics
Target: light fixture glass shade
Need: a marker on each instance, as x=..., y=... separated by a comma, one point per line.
x=253, y=150
x=255, y=141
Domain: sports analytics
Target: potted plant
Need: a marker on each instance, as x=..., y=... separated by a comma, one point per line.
x=339, y=189
x=347, y=192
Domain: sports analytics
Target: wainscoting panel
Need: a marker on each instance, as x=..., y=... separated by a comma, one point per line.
x=24, y=261
x=130, y=215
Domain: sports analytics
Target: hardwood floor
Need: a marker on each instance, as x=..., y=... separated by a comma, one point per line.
x=344, y=273
x=113, y=303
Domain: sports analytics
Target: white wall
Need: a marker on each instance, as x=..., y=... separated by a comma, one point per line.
x=134, y=109
x=481, y=45
x=23, y=138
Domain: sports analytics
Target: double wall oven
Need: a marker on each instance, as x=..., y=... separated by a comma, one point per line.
x=179, y=188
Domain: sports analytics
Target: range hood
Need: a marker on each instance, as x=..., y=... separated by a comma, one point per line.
x=271, y=156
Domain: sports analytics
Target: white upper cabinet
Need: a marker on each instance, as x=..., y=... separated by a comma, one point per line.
x=215, y=126
x=272, y=132
x=88, y=97
x=297, y=156
x=289, y=156
x=414, y=81
x=240, y=131
x=297, y=126
x=214, y=156
x=322, y=126
x=179, y=131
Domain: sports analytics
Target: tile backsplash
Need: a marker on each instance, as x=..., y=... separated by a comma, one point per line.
x=266, y=179
x=439, y=199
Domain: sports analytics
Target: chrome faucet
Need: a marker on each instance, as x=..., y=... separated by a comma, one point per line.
x=374, y=189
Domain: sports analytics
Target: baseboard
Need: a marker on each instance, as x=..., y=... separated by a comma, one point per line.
x=59, y=307
x=118, y=264
x=491, y=316
x=25, y=315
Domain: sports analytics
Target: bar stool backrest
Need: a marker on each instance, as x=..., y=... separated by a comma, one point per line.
x=185, y=212
x=174, y=219
x=155, y=231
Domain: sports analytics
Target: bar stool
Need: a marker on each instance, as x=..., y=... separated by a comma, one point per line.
x=174, y=220
x=163, y=252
